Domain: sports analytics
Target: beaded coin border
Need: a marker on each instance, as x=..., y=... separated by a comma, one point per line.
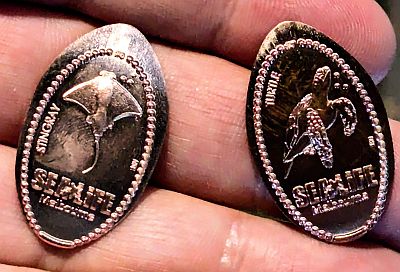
x=139, y=172
x=262, y=150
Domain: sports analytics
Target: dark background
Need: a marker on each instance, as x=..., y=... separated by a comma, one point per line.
x=389, y=87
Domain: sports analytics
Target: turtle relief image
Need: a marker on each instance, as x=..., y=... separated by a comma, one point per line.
x=311, y=119
x=319, y=133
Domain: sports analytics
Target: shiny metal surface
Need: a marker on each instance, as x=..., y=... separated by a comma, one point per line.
x=319, y=133
x=92, y=136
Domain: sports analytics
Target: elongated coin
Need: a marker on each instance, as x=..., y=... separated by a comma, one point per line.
x=319, y=133
x=92, y=136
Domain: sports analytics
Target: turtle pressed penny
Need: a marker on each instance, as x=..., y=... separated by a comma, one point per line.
x=319, y=133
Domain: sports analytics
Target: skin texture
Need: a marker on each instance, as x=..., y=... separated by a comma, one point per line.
x=205, y=154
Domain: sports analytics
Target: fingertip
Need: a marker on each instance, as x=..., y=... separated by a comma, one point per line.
x=31, y=38
x=235, y=29
x=361, y=27
x=386, y=230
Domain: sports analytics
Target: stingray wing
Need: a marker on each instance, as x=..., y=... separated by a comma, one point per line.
x=84, y=95
x=123, y=103
x=347, y=113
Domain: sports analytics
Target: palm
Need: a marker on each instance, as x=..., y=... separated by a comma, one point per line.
x=206, y=154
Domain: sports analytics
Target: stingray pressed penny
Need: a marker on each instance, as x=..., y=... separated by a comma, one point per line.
x=92, y=136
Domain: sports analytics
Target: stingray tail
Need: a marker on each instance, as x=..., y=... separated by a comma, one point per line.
x=96, y=157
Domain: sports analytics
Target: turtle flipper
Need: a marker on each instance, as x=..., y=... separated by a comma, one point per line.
x=347, y=113
x=296, y=134
x=293, y=131
x=319, y=138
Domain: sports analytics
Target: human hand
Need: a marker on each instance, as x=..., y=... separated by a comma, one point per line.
x=205, y=154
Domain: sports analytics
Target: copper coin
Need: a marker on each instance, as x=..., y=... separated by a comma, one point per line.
x=319, y=133
x=92, y=136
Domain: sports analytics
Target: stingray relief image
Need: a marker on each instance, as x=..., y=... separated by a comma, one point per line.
x=105, y=101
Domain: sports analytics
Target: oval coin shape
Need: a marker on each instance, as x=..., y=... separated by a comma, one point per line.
x=319, y=133
x=92, y=136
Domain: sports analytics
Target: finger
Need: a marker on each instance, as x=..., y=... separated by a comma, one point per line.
x=235, y=29
x=25, y=54
x=388, y=228
x=12, y=268
x=206, y=153
x=164, y=234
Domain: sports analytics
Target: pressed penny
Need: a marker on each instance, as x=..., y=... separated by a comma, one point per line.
x=92, y=136
x=319, y=133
